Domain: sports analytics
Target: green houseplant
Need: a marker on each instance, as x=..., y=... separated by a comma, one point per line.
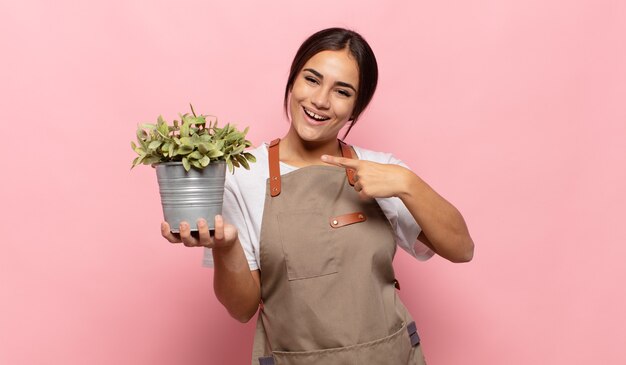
x=190, y=157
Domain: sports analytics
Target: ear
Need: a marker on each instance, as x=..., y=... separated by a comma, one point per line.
x=288, y=105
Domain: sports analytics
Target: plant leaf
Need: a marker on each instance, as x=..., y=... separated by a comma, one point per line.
x=199, y=121
x=238, y=150
x=154, y=145
x=186, y=164
x=149, y=160
x=141, y=134
x=163, y=130
x=184, y=129
x=242, y=160
x=196, y=164
x=196, y=140
x=184, y=150
x=139, y=159
x=204, y=161
x=148, y=126
x=214, y=154
x=250, y=157
x=186, y=141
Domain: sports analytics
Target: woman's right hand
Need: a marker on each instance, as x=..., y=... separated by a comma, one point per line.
x=225, y=235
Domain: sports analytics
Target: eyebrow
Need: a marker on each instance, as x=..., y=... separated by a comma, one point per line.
x=338, y=83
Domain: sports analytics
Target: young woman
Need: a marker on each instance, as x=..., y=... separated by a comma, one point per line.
x=308, y=234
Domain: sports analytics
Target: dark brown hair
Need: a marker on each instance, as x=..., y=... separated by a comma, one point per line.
x=337, y=39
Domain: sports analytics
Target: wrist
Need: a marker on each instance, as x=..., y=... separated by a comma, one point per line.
x=225, y=248
x=409, y=183
x=231, y=257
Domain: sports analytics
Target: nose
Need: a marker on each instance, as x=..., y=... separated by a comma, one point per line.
x=320, y=98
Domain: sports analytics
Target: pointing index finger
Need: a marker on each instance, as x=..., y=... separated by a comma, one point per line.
x=341, y=161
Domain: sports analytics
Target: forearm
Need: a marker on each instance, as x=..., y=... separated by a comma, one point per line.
x=441, y=223
x=234, y=284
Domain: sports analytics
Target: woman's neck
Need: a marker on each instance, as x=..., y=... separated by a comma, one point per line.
x=300, y=153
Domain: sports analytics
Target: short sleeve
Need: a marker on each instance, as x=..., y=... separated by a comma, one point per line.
x=407, y=230
x=405, y=227
x=232, y=211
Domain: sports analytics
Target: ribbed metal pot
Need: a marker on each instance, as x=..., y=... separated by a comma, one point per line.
x=189, y=195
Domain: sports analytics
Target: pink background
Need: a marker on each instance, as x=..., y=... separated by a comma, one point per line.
x=513, y=110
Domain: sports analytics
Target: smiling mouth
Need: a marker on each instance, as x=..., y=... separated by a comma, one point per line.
x=314, y=116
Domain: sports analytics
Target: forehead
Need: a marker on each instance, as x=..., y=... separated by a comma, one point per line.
x=335, y=65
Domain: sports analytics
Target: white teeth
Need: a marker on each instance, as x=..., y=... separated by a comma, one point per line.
x=315, y=116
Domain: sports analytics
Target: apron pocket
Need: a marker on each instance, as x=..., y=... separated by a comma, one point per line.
x=308, y=245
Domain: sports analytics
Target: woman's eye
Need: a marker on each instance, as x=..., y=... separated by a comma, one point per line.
x=344, y=93
x=311, y=79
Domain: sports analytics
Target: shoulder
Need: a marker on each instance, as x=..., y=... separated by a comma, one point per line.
x=376, y=156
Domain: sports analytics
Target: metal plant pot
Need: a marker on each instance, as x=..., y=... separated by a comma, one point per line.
x=189, y=195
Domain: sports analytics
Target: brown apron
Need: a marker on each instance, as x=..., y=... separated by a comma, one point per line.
x=327, y=282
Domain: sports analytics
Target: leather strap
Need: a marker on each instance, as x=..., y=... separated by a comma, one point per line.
x=274, y=162
x=347, y=219
x=346, y=151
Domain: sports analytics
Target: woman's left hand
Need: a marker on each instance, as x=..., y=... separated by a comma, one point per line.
x=374, y=180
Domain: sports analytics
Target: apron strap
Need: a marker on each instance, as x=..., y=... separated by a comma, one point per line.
x=274, y=164
x=274, y=168
x=346, y=151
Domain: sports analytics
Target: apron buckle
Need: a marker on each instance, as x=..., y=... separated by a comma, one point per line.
x=413, y=336
x=266, y=360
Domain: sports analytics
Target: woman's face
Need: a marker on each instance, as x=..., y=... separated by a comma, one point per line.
x=323, y=95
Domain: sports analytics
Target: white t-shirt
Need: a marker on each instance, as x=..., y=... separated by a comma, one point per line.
x=244, y=201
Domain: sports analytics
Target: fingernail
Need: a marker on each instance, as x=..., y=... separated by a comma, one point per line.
x=324, y=157
x=201, y=222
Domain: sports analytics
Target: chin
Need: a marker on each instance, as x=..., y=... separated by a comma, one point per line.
x=309, y=136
